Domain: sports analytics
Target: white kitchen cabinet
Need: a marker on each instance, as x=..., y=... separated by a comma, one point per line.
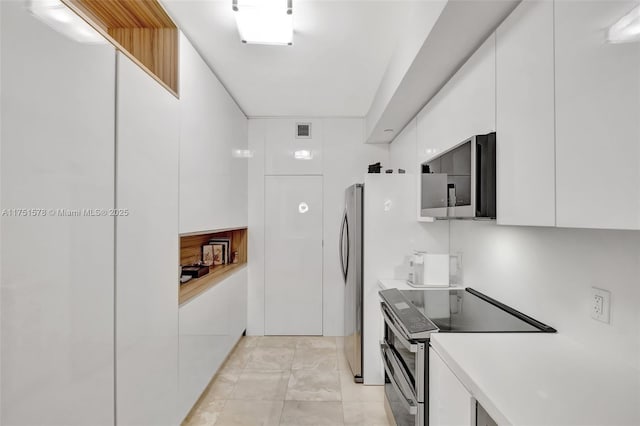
x=450, y=403
x=213, y=144
x=597, y=118
x=147, y=137
x=464, y=107
x=210, y=326
x=57, y=270
x=293, y=255
x=525, y=116
x=286, y=153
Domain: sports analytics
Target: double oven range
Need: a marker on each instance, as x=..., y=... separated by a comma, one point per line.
x=410, y=316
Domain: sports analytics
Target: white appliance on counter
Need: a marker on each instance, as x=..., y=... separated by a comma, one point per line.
x=389, y=233
x=429, y=269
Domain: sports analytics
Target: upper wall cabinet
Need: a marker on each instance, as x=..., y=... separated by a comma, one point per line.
x=597, y=118
x=57, y=265
x=293, y=147
x=464, y=107
x=213, y=149
x=525, y=116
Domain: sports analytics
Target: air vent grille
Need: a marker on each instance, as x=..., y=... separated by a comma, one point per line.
x=303, y=130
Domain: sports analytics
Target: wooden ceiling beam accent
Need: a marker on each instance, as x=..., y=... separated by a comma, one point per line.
x=128, y=13
x=141, y=29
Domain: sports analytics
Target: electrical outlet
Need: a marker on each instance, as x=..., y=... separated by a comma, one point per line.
x=600, y=304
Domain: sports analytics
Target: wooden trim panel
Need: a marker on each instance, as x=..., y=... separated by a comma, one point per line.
x=141, y=29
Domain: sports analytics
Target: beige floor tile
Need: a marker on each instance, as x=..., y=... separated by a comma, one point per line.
x=365, y=414
x=205, y=414
x=237, y=360
x=250, y=413
x=302, y=413
x=343, y=364
x=267, y=358
x=316, y=342
x=222, y=385
x=279, y=341
x=261, y=385
x=313, y=385
x=315, y=359
x=352, y=391
x=249, y=341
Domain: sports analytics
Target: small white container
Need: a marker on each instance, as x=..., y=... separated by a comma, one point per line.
x=430, y=270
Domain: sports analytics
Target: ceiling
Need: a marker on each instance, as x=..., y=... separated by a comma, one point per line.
x=340, y=53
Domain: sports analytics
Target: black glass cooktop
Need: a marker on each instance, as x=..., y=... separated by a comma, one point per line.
x=465, y=311
x=470, y=311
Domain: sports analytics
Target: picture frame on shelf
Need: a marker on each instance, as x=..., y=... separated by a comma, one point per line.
x=207, y=255
x=226, y=248
x=217, y=254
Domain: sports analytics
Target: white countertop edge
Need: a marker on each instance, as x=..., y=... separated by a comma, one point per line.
x=475, y=391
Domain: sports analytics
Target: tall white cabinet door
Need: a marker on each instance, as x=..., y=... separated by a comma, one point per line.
x=146, y=249
x=213, y=141
x=293, y=247
x=597, y=118
x=525, y=116
x=57, y=156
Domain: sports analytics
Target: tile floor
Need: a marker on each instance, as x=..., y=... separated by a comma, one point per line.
x=289, y=380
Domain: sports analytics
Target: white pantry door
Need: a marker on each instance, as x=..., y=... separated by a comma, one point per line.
x=293, y=251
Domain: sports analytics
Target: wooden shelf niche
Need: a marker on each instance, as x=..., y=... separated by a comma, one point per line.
x=191, y=252
x=141, y=29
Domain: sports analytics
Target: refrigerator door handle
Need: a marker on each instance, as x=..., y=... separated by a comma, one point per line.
x=344, y=262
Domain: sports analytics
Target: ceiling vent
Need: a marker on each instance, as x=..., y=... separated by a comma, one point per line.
x=303, y=130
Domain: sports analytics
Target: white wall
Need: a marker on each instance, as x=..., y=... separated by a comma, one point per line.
x=548, y=273
x=344, y=161
x=402, y=153
x=213, y=180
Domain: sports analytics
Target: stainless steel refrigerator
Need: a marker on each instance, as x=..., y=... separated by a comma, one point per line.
x=351, y=257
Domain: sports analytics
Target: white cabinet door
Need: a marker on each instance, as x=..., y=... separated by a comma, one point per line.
x=293, y=247
x=597, y=118
x=464, y=107
x=210, y=325
x=288, y=154
x=525, y=117
x=146, y=249
x=213, y=144
x=56, y=287
x=450, y=404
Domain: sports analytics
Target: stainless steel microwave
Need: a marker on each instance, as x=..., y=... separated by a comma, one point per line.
x=460, y=183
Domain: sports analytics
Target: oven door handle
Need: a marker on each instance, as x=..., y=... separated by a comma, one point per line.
x=409, y=403
x=393, y=325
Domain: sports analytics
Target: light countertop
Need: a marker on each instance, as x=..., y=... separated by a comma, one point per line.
x=542, y=379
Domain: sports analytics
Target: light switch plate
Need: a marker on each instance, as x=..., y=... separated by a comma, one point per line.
x=600, y=304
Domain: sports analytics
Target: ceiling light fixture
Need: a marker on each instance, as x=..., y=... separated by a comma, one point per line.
x=264, y=21
x=62, y=19
x=627, y=29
